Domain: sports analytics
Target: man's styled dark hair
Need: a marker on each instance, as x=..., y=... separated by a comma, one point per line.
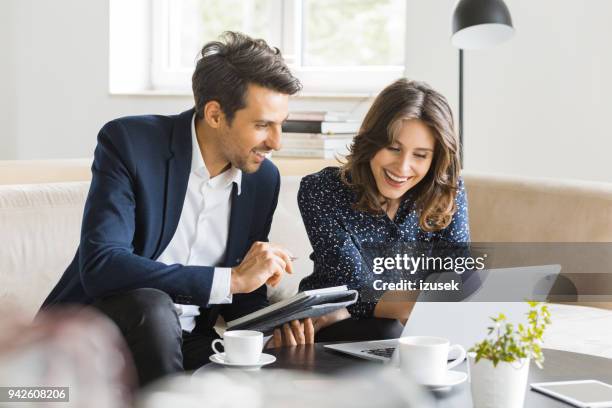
x=228, y=66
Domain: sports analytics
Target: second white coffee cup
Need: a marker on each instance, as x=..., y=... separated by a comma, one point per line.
x=425, y=358
x=241, y=346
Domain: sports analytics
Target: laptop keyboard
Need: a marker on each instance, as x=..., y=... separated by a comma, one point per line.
x=381, y=352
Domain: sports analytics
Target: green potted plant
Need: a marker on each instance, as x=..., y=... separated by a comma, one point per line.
x=499, y=365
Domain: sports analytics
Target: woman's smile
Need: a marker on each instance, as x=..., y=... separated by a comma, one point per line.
x=394, y=180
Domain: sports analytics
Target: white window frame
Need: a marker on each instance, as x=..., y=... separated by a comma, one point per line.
x=359, y=80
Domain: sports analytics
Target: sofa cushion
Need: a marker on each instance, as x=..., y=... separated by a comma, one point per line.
x=288, y=230
x=39, y=235
x=529, y=209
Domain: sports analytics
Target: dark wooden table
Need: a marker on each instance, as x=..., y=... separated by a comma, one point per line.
x=559, y=366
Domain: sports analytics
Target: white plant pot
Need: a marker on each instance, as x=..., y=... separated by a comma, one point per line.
x=501, y=386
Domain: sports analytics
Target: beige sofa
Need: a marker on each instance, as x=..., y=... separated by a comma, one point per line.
x=41, y=204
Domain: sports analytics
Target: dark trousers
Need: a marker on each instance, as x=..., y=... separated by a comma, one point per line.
x=354, y=329
x=150, y=325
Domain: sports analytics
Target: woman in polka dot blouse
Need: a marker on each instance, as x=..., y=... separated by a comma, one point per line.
x=400, y=183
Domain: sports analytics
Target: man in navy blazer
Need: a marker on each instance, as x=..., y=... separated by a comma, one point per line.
x=176, y=222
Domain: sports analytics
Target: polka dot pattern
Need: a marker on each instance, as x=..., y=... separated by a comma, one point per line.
x=337, y=231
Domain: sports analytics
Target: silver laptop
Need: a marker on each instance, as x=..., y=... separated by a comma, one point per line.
x=465, y=322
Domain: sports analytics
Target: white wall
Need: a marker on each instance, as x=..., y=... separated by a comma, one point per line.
x=58, y=51
x=534, y=106
x=7, y=89
x=58, y=68
x=538, y=105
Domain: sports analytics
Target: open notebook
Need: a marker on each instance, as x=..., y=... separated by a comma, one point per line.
x=310, y=303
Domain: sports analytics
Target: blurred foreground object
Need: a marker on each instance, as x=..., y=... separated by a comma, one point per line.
x=69, y=347
x=228, y=388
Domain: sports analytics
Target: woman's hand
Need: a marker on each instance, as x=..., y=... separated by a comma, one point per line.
x=293, y=333
x=330, y=318
x=395, y=305
x=299, y=332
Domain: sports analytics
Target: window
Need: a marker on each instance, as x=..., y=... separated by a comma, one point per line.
x=333, y=46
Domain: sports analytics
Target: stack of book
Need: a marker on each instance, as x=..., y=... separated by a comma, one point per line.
x=323, y=135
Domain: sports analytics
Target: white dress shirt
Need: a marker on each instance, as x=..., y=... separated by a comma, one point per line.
x=201, y=235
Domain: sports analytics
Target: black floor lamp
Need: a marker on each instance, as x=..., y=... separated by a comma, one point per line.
x=478, y=24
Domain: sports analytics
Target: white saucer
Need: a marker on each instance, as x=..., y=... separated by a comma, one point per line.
x=452, y=378
x=265, y=359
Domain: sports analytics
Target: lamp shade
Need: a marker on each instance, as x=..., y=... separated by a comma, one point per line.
x=479, y=24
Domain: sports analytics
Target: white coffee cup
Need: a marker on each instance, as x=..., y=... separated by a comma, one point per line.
x=425, y=358
x=241, y=346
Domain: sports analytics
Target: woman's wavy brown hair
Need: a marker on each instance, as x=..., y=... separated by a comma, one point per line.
x=401, y=101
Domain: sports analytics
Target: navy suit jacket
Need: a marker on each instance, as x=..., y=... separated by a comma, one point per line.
x=139, y=181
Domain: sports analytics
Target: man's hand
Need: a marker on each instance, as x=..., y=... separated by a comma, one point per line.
x=264, y=263
x=292, y=334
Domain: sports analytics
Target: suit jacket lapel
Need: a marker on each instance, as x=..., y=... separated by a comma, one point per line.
x=240, y=222
x=178, y=168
